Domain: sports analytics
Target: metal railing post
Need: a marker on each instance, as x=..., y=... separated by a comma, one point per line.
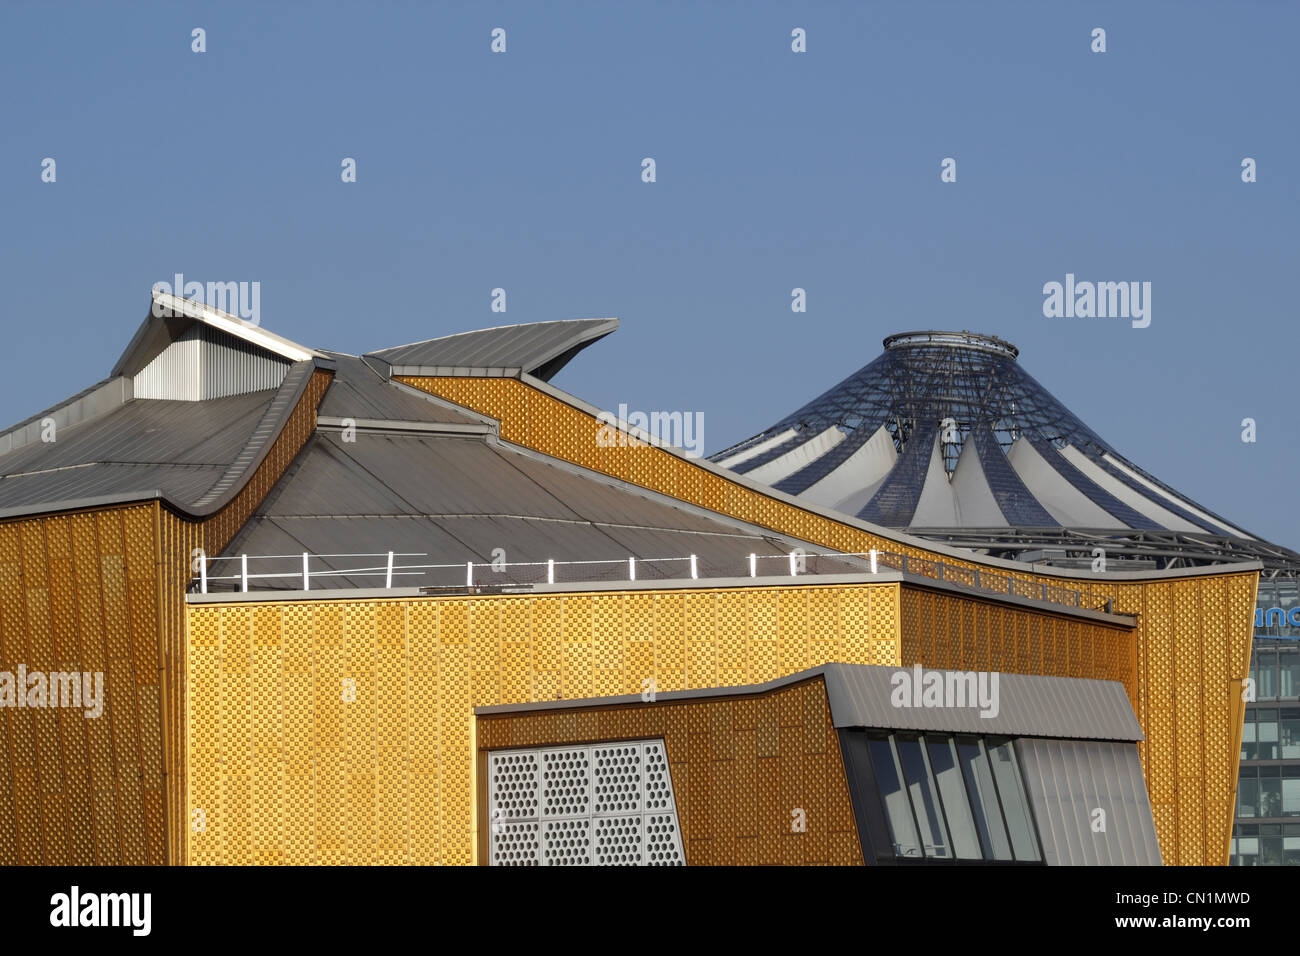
x=469, y=574
x=794, y=565
x=753, y=565
x=243, y=571
x=695, y=571
x=550, y=570
x=306, y=575
x=873, y=561
x=631, y=569
x=203, y=574
x=388, y=578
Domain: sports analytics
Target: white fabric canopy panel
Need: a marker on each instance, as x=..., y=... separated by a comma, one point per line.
x=937, y=506
x=1185, y=505
x=1064, y=502
x=741, y=457
x=797, y=458
x=1134, y=499
x=976, y=506
x=864, y=469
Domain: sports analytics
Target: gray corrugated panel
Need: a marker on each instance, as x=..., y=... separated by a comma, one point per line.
x=231, y=366
x=99, y=399
x=460, y=498
x=148, y=431
x=181, y=448
x=203, y=362
x=602, y=500
x=325, y=480
x=1026, y=705
x=446, y=475
x=358, y=391
x=531, y=347
x=180, y=482
x=1068, y=780
x=197, y=454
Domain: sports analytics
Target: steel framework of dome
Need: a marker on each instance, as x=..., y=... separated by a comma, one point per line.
x=946, y=436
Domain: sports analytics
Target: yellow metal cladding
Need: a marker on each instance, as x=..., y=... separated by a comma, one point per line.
x=178, y=538
x=1193, y=635
x=740, y=766
x=103, y=590
x=281, y=768
x=79, y=593
x=956, y=632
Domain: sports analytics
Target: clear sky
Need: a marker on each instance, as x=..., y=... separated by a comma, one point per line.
x=775, y=170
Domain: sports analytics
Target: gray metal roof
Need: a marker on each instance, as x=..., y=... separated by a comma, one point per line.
x=859, y=696
x=360, y=391
x=170, y=316
x=1028, y=705
x=459, y=497
x=196, y=455
x=538, y=348
x=1067, y=781
x=179, y=448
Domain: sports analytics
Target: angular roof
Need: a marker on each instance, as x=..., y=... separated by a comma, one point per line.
x=194, y=455
x=171, y=316
x=199, y=395
x=539, y=349
x=361, y=391
x=458, y=496
x=860, y=696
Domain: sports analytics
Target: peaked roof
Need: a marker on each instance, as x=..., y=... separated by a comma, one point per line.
x=171, y=316
x=945, y=432
x=539, y=349
x=199, y=395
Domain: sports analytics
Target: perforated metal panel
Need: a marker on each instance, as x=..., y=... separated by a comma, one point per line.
x=606, y=805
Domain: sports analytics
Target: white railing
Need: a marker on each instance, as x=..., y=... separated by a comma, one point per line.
x=390, y=566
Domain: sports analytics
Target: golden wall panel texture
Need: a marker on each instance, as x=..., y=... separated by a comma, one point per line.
x=79, y=593
x=747, y=772
x=104, y=590
x=1193, y=634
x=283, y=768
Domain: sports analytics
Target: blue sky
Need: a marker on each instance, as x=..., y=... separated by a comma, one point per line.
x=775, y=170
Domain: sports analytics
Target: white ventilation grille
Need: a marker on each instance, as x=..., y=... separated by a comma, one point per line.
x=605, y=805
x=566, y=783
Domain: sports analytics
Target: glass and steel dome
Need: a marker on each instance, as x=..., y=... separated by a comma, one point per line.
x=945, y=435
